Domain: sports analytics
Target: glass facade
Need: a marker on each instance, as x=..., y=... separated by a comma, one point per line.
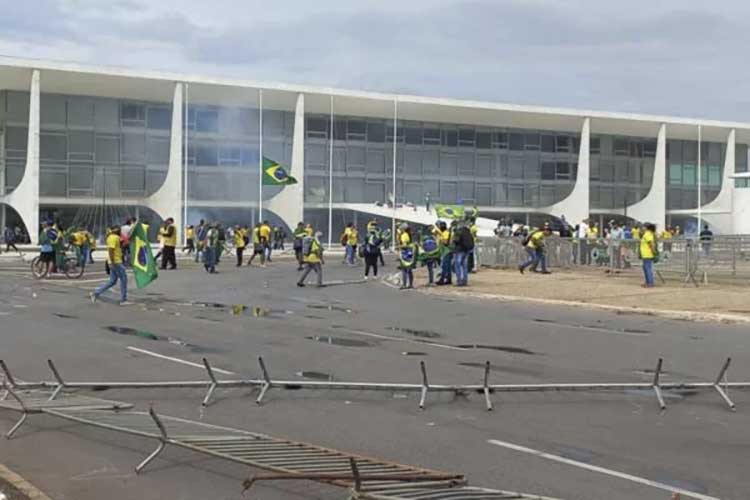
x=682, y=172
x=487, y=167
x=741, y=164
x=621, y=170
x=223, y=151
x=90, y=146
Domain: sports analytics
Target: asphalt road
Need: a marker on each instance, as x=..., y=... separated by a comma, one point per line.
x=696, y=444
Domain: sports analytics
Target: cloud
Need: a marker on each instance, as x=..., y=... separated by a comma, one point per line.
x=682, y=57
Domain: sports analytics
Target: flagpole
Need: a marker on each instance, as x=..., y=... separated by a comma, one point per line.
x=395, y=134
x=185, y=166
x=700, y=179
x=330, y=179
x=260, y=157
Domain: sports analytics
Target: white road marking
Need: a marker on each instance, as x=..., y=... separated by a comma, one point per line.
x=601, y=470
x=401, y=339
x=177, y=360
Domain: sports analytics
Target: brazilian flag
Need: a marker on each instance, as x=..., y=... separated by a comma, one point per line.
x=275, y=175
x=454, y=211
x=144, y=266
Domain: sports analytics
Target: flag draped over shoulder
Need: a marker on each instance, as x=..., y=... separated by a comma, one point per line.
x=275, y=175
x=454, y=211
x=144, y=266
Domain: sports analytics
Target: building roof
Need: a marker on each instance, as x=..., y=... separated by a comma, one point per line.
x=112, y=81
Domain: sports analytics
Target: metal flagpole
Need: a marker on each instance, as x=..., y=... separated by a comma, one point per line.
x=330, y=179
x=185, y=165
x=260, y=157
x=395, y=134
x=700, y=179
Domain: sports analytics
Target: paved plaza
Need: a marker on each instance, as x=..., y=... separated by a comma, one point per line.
x=615, y=445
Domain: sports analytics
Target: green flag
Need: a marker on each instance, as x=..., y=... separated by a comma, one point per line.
x=144, y=266
x=275, y=175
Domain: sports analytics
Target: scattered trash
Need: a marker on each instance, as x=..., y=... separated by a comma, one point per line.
x=65, y=316
x=124, y=330
x=330, y=308
x=399, y=395
x=238, y=309
x=413, y=353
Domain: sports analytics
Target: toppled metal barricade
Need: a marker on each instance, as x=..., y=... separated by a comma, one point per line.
x=720, y=385
x=366, y=478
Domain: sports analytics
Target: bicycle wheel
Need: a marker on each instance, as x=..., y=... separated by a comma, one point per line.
x=39, y=269
x=72, y=269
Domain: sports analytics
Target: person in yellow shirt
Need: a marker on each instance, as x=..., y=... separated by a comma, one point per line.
x=239, y=244
x=534, y=246
x=351, y=237
x=636, y=232
x=648, y=253
x=265, y=240
x=189, y=240
x=407, y=258
x=168, y=235
x=258, y=248
x=312, y=251
x=80, y=241
x=116, y=268
x=309, y=230
x=446, y=252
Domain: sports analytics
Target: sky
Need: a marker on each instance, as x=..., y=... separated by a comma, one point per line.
x=674, y=57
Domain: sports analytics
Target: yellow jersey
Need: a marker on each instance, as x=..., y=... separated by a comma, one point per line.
x=190, y=233
x=316, y=253
x=445, y=237
x=239, y=240
x=666, y=235
x=536, y=240
x=167, y=239
x=113, y=244
x=636, y=233
x=404, y=239
x=265, y=232
x=352, y=236
x=647, y=241
x=79, y=238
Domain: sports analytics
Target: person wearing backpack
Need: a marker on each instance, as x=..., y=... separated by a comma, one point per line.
x=312, y=251
x=463, y=243
x=371, y=249
x=299, y=235
x=429, y=255
x=534, y=245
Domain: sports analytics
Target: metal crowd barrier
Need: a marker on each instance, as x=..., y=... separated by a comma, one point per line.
x=690, y=259
x=366, y=478
x=486, y=389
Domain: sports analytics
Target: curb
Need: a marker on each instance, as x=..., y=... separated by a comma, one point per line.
x=705, y=317
x=21, y=484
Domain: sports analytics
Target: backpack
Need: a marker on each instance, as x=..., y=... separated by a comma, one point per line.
x=526, y=239
x=463, y=239
x=307, y=244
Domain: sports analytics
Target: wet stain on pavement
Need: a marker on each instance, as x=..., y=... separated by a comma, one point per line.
x=313, y=375
x=578, y=454
x=145, y=334
x=339, y=341
x=428, y=334
x=682, y=484
x=312, y=316
x=503, y=348
x=66, y=316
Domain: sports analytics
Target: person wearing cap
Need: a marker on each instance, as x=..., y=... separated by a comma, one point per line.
x=534, y=245
x=313, y=258
x=168, y=235
x=116, y=268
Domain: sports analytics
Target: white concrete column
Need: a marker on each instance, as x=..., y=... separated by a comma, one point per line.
x=575, y=207
x=25, y=198
x=653, y=208
x=289, y=204
x=167, y=200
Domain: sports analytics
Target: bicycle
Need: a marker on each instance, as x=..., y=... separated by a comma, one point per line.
x=71, y=267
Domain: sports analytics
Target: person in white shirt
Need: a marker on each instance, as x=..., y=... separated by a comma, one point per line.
x=583, y=244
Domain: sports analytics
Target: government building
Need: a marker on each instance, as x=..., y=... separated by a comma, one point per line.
x=92, y=145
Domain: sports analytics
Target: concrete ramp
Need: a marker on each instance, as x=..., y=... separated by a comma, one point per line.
x=414, y=215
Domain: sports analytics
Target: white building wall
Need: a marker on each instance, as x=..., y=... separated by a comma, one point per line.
x=25, y=197
x=652, y=208
x=168, y=199
x=575, y=207
x=289, y=203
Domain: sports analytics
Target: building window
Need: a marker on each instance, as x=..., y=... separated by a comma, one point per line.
x=132, y=115
x=159, y=118
x=207, y=120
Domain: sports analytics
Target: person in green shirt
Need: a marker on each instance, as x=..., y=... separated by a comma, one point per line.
x=299, y=235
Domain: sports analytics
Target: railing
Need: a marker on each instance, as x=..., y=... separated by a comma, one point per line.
x=692, y=259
